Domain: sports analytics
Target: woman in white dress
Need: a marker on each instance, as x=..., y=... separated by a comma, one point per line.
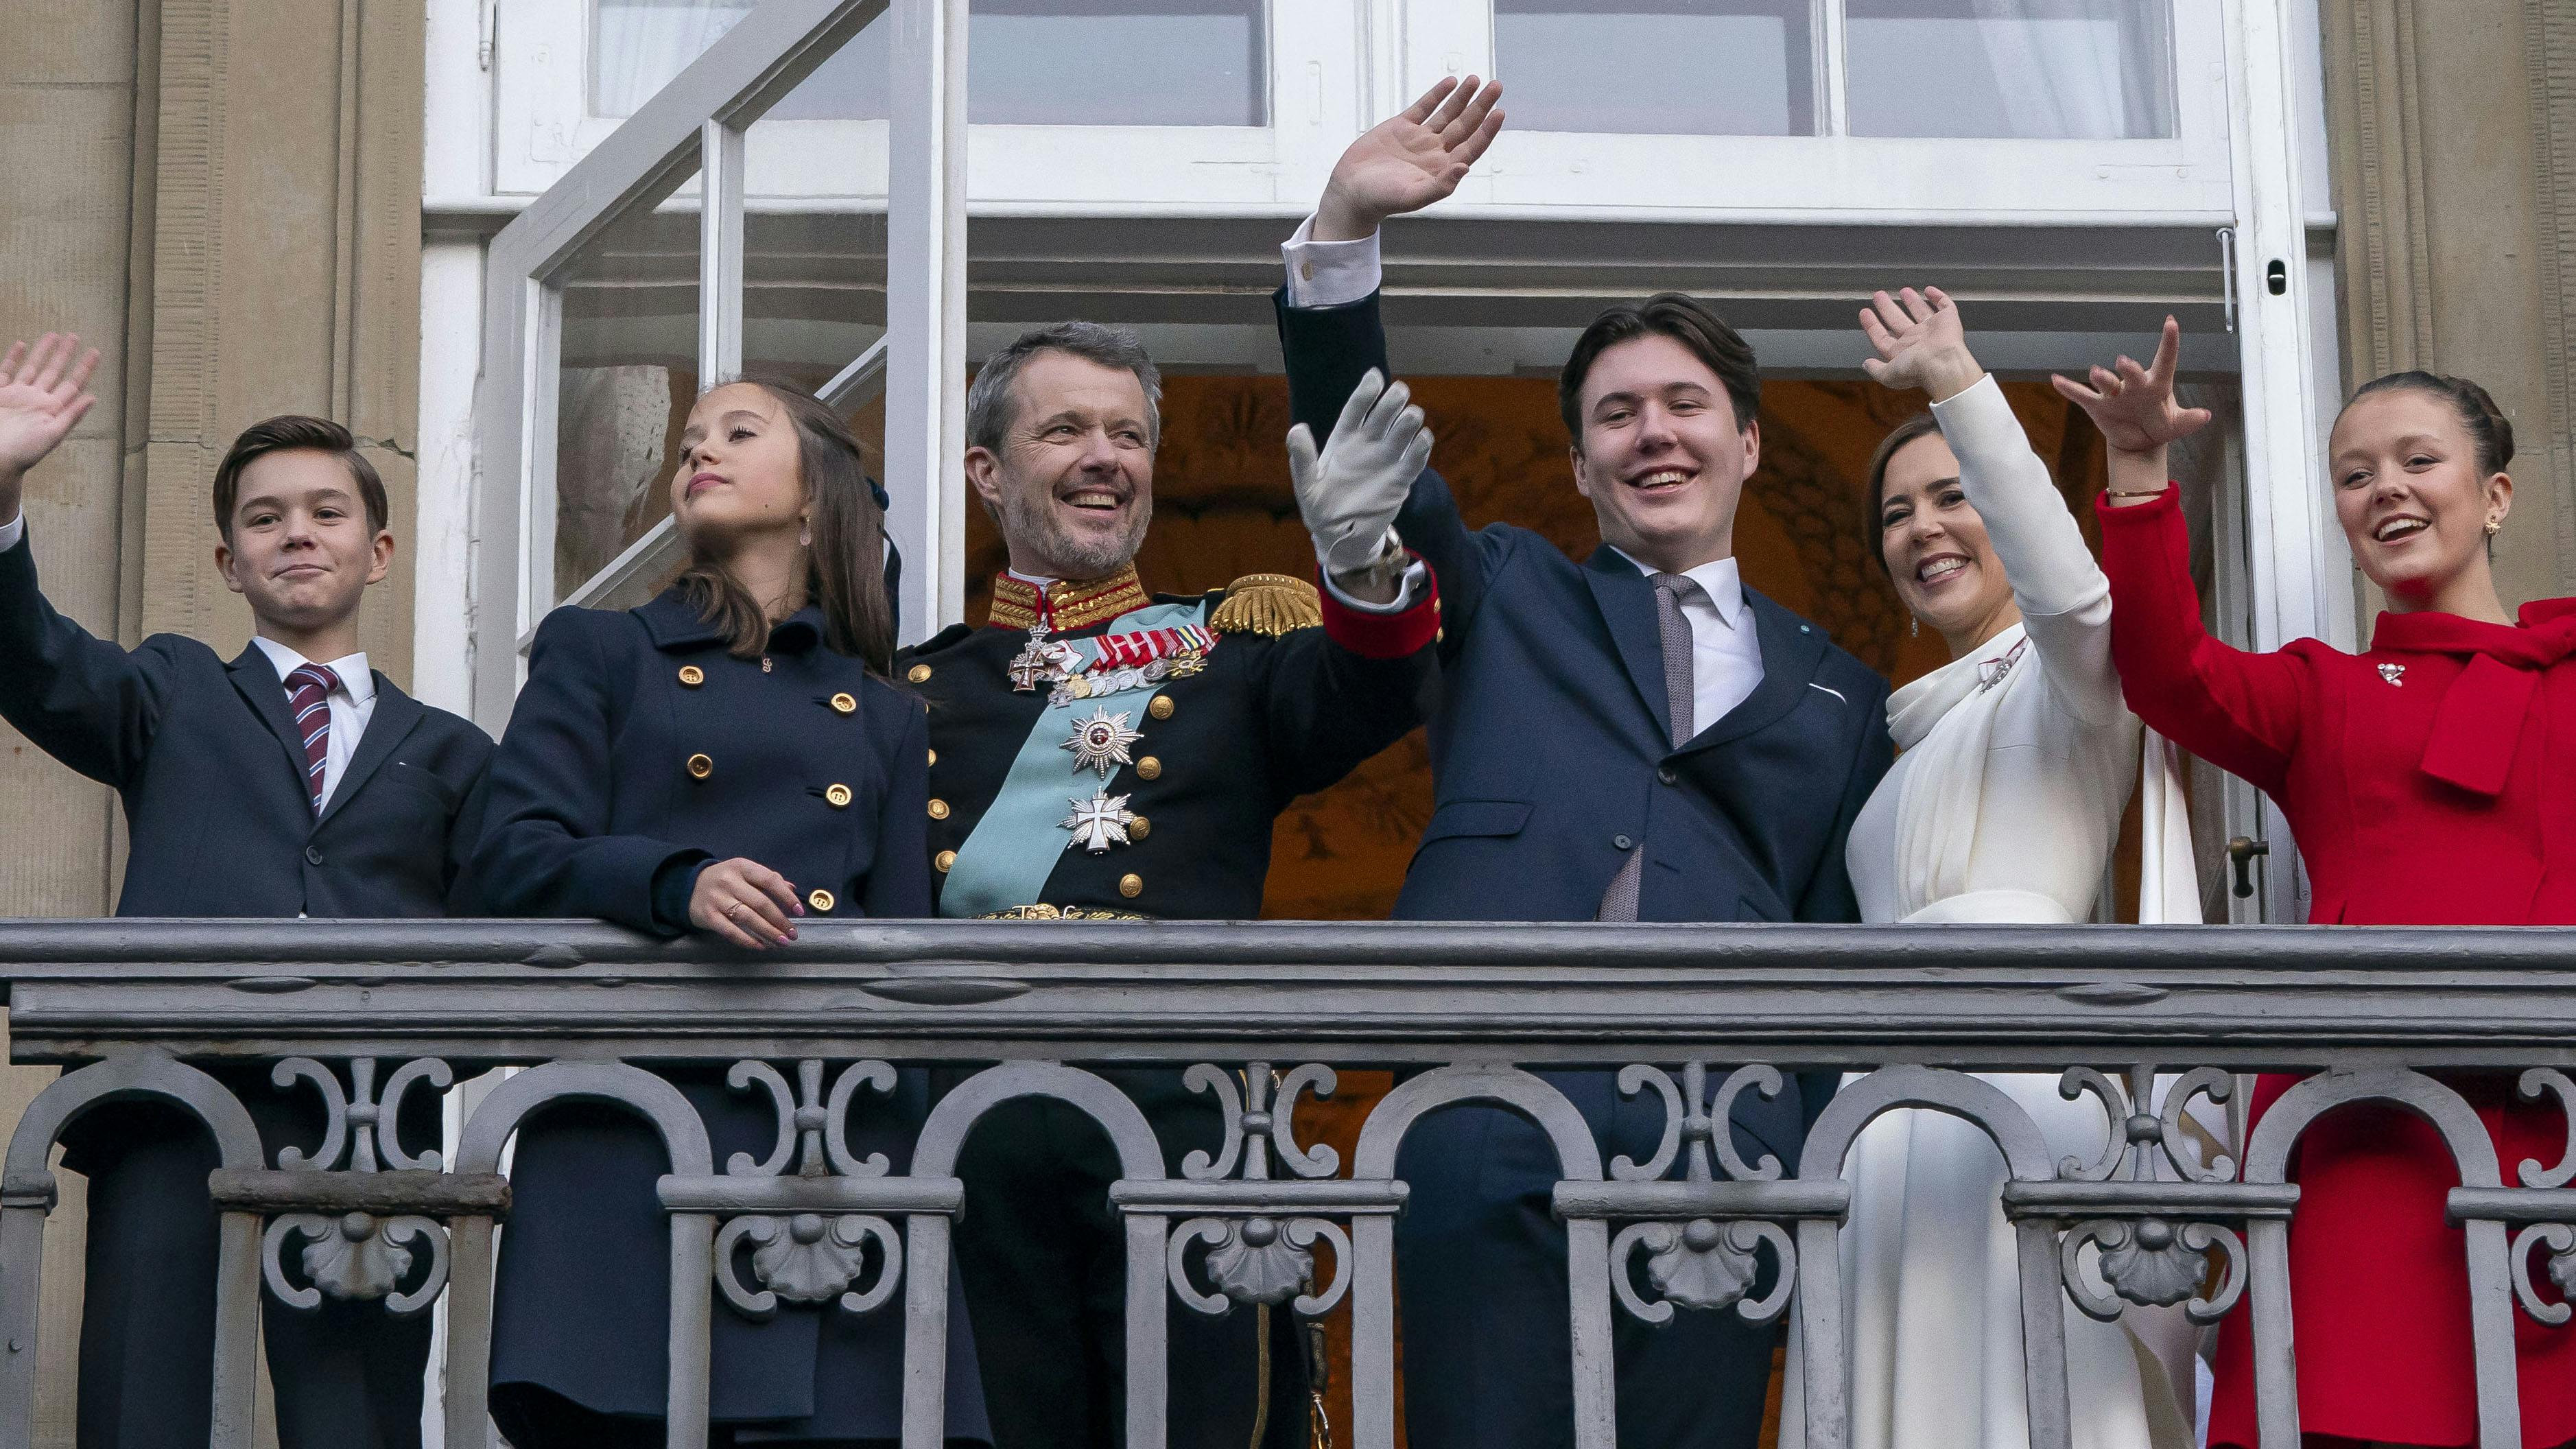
x=2016, y=762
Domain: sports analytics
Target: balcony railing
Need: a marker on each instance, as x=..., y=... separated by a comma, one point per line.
x=1692, y=1014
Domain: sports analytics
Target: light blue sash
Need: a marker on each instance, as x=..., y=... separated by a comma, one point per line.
x=1010, y=853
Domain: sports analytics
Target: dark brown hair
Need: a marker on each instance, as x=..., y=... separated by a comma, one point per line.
x=1921, y=425
x=2488, y=427
x=845, y=563
x=1666, y=314
x=292, y=432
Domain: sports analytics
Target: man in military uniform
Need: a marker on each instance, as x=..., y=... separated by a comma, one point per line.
x=1099, y=752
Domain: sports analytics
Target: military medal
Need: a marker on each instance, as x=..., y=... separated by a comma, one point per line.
x=1100, y=742
x=1043, y=661
x=1099, y=822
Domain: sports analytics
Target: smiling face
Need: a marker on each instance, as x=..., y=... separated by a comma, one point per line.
x=1661, y=453
x=1936, y=549
x=301, y=548
x=2412, y=499
x=741, y=473
x=1073, y=482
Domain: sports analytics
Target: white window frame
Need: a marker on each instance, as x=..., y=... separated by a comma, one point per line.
x=1835, y=173
x=544, y=125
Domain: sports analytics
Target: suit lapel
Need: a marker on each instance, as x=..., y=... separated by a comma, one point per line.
x=257, y=681
x=394, y=716
x=1791, y=649
x=1627, y=604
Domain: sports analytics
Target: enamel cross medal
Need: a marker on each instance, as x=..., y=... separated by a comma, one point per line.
x=1044, y=661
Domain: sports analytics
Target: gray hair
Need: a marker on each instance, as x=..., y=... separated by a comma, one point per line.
x=990, y=410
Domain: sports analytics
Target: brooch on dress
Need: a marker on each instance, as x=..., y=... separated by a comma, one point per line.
x=1992, y=671
x=2393, y=673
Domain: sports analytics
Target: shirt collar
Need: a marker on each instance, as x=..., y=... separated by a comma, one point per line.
x=1718, y=578
x=351, y=669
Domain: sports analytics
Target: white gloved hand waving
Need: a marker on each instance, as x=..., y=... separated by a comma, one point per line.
x=1350, y=493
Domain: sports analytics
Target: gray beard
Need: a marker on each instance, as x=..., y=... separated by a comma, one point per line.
x=1030, y=525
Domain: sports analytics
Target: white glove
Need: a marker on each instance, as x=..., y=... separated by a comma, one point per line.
x=1349, y=495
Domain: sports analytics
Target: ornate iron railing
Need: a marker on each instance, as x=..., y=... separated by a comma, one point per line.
x=363, y=1013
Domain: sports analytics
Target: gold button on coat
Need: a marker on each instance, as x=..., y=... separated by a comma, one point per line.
x=918, y=673
x=943, y=860
x=692, y=676
x=1131, y=886
x=839, y=795
x=700, y=767
x=1161, y=708
x=934, y=757
x=1139, y=828
x=820, y=900
x=844, y=704
x=938, y=809
x=1149, y=768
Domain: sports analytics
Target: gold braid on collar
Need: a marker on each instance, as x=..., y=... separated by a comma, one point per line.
x=1067, y=607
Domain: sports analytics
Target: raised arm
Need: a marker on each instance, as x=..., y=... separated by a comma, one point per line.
x=2065, y=602
x=79, y=698
x=2236, y=709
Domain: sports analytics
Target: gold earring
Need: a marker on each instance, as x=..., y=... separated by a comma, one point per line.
x=2494, y=527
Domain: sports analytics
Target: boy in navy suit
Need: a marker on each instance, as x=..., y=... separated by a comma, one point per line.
x=291, y=780
x=1637, y=737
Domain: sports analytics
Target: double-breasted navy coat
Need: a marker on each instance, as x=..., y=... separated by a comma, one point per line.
x=639, y=750
x=1551, y=762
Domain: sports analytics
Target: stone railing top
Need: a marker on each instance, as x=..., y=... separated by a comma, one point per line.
x=1353, y=992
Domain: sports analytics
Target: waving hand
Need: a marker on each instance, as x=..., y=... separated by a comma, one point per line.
x=40, y=400
x=1410, y=160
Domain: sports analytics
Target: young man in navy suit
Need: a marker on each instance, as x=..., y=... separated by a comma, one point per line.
x=1638, y=737
x=289, y=781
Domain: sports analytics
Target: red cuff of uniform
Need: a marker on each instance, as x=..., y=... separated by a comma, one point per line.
x=1385, y=636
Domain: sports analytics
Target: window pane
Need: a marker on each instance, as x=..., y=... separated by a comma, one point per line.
x=1140, y=62
x=629, y=359
x=2030, y=69
x=1720, y=67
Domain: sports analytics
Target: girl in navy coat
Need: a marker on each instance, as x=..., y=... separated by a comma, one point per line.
x=727, y=759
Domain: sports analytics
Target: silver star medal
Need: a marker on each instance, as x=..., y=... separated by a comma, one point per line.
x=1098, y=823
x=1100, y=742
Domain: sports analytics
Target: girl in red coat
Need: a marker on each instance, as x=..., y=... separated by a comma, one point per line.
x=2428, y=781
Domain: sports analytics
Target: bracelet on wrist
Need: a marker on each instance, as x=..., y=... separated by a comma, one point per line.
x=2133, y=492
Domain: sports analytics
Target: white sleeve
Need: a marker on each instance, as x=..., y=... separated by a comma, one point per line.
x=1417, y=577
x=12, y=531
x=1329, y=274
x=2065, y=599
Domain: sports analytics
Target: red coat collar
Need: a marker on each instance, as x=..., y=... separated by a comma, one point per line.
x=2545, y=635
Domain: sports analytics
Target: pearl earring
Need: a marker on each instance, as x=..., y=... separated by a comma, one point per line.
x=1914, y=627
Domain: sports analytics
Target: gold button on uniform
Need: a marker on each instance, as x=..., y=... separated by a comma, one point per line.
x=820, y=900
x=843, y=704
x=943, y=860
x=839, y=795
x=1139, y=828
x=918, y=673
x=700, y=767
x=692, y=676
x=1131, y=886
x=934, y=757
x=938, y=809
x=1149, y=768
x=1439, y=634
x=1161, y=708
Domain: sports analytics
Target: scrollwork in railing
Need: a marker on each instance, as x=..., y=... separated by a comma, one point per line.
x=2559, y=1237
x=357, y=1255
x=1256, y=1255
x=2152, y=1253
x=1699, y=1261
x=813, y=1256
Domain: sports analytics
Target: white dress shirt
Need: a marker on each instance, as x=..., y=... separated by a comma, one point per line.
x=1726, y=648
x=12, y=531
x=1329, y=274
x=352, y=700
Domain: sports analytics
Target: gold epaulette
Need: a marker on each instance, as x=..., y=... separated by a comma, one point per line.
x=1271, y=604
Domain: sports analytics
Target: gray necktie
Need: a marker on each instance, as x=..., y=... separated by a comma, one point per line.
x=1619, y=902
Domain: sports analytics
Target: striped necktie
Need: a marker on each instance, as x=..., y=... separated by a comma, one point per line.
x=308, y=693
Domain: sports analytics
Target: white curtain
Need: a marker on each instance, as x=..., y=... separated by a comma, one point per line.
x=2021, y=69
x=643, y=43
